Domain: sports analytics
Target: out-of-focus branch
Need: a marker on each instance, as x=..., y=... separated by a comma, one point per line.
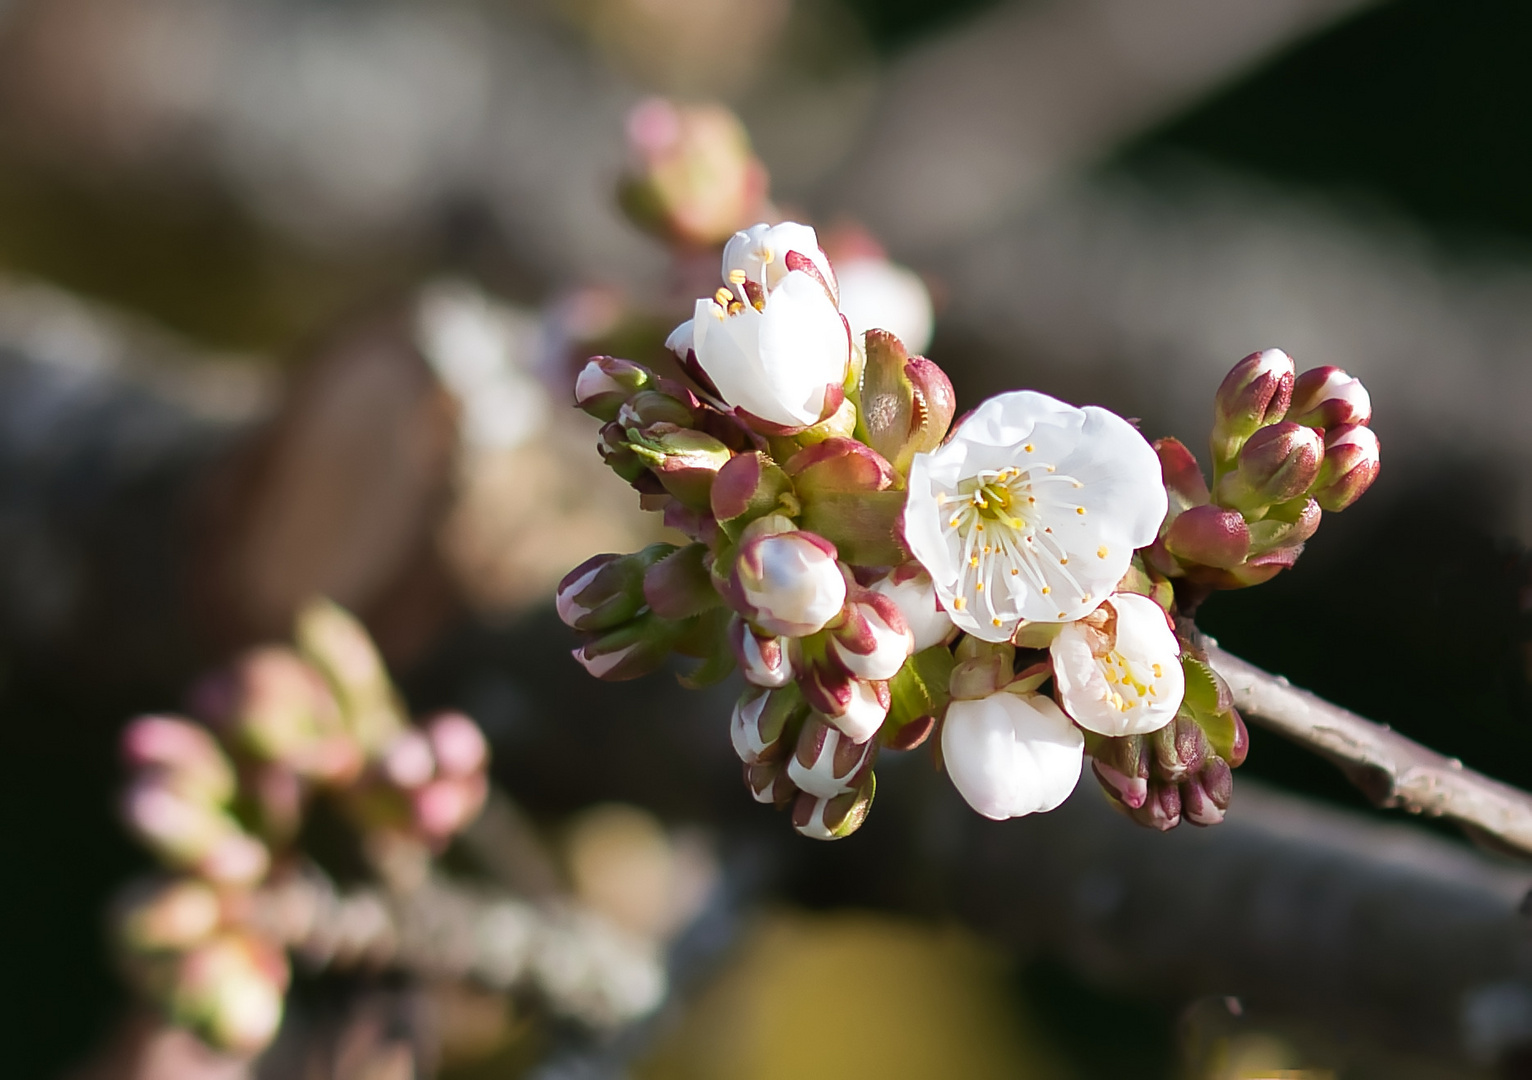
x=576, y=960
x=977, y=123
x=1390, y=769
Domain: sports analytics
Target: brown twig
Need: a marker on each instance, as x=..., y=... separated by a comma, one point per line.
x=1391, y=770
x=581, y=964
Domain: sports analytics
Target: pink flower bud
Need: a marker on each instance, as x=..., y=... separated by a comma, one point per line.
x=457, y=744
x=1184, y=482
x=873, y=641
x=789, y=582
x=1209, y=536
x=1276, y=464
x=408, y=761
x=606, y=383
x=762, y=657
x=1256, y=392
x=184, y=756
x=1350, y=466
x=606, y=591
x=1326, y=397
x=826, y=763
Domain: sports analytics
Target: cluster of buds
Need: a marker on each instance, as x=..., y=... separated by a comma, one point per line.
x=220, y=799
x=1011, y=583
x=1286, y=448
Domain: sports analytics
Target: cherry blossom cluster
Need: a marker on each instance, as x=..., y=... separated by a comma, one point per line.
x=281, y=737
x=1020, y=584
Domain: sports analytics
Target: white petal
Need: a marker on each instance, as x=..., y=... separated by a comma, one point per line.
x=1010, y=755
x=876, y=294
x=760, y=253
x=804, y=347
x=680, y=339
x=801, y=587
x=864, y=716
x=916, y=598
x=819, y=779
x=1145, y=648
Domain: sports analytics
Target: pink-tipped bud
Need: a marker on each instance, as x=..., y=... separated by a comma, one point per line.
x=1205, y=797
x=764, y=723
x=605, y=384
x=1184, y=482
x=838, y=465
x=1209, y=536
x=1276, y=464
x=789, y=582
x=692, y=177
x=182, y=756
x=872, y=641
x=762, y=657
x=836, y=817
x=458, y=745
x=1326, y=397
x=606, y=591
x=856, y=706
x=826, y=763
x=1350, y=467
x=630, y=651
x=1256, y=392
x=230, y=992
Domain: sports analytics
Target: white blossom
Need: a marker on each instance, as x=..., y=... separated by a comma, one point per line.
x=1123, y=677
x=876, y=294
x=1032, y=511
x=759, y=254
x=1011, y=754
x=791, y=582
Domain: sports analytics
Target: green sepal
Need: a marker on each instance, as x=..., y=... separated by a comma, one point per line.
x=918, y=690
x=1207, y=704
x=707, y=638
x=863, y=525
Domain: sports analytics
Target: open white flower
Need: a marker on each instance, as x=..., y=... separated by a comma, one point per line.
x=1032, y=511
x=761, y=254
x=1123, y=676
x=778, y=362
x=1011, y=754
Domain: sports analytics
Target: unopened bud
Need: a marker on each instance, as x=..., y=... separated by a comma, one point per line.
x=622, y=459
x=765, y=723
x=1256, y=392
x=446, y=805
x=762, y=657
x=1326, y=397
x=856, y=706
x=788, y=580
x=606, y=383
x=1209, y=536
x=693, y=178
x=1350, y=467
x=457, y=744
x=606, y=591
x=1276, y=464
x=827, y=763
x=179, y=756
x=229, y=991
x=835, y=817
x=911, y=588
x=684, y=461
x=769, y=783
x=631, y=650
x=872, y=640
x=747, y=487
x=1285, y=528
x=1206, y=796
x=1184, y=482
x=838, y=465
x=907, y=403
x=168, y=916
x=649, y=407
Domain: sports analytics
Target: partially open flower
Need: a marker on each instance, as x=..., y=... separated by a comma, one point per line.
x=1326, y=397
x=1011, y=754
x=765, y=254
x=1120, y=674
x=1032, y=511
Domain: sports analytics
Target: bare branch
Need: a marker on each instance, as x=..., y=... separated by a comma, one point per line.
x=1390, y=769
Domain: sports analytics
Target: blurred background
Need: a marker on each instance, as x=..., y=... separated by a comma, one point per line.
x=291, y=294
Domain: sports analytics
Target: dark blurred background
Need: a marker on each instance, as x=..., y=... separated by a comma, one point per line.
x=1111, y=201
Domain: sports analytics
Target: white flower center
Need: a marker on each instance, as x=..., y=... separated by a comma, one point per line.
x=1000, y=518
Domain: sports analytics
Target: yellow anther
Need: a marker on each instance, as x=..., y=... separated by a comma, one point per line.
x=978, y=586
x=1047, y=590
x=1064, y=561
x=1014, y=571
x=736, y=277
x=1028, y=448
x=1159, y=672
x=995, y=621
x=1101, y=552
x=723, y=298
x=1079, y=509
x=973, y=560
x=959, y=604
